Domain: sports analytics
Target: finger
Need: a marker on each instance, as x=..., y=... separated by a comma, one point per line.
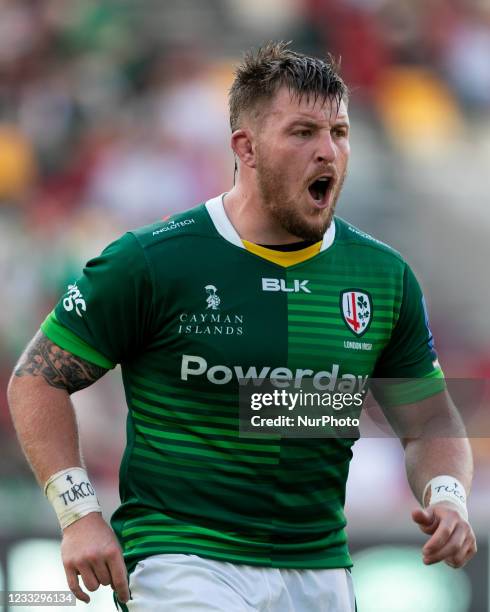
x=440, y=537
x=72, y=579
x=462, y=558
x=458, y=560
x=119, y=577
x=426, y=520
x=455, y=546
x=102, y=572
x=423, y=516
x=88, y=576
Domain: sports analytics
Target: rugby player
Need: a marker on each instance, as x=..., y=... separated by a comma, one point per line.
x=261, y=282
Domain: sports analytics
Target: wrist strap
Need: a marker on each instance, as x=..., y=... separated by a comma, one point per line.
x=71, y=495
x=445, y=488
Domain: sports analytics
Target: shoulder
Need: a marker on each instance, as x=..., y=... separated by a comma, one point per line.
x=354, y=238
x=134, y=250
x=181, y=226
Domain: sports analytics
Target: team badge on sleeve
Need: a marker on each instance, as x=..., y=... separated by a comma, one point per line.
x=357, y=310
x=74, y=299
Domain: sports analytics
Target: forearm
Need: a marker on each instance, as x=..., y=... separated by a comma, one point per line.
x=444, y=515
x=427, y=457
x=43, y=415
x=46, y=426
x=42, y=412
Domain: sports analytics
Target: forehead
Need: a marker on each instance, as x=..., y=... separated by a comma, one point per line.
x=287, y=106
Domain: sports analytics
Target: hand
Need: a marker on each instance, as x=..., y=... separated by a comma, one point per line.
x=90, y=548
x=452, y=541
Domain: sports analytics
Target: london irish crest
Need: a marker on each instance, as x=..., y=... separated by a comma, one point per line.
x=356, y=307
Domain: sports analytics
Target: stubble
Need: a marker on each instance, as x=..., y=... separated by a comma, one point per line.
x=284, y=209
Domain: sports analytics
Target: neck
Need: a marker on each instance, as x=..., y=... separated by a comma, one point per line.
x=251, y=219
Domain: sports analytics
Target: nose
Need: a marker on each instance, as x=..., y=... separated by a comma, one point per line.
x=327, y=151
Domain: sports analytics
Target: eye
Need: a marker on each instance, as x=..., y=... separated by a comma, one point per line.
x=304, y=133
x=340, y=132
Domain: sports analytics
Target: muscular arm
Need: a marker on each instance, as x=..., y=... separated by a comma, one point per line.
x=59, y=368
x=434, y=438
x=42, y=412
x=39, y=399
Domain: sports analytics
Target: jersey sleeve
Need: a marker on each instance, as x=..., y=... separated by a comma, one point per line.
x=410, y=354
x=105, y=316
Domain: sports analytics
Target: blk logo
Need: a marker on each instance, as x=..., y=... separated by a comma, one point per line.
x=279, y=284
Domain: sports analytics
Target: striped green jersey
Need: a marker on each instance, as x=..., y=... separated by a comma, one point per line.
x=188, y=311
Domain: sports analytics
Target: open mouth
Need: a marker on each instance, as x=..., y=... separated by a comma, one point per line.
x=320, y=187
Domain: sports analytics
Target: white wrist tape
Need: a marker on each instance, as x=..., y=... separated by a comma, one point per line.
x=72, y=495
x=445, y=488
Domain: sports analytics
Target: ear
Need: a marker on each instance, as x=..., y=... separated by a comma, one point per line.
x=243, y=146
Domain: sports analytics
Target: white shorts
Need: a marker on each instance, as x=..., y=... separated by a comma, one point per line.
x=188, y=583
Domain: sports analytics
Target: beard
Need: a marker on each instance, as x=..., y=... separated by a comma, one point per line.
x=284, y=208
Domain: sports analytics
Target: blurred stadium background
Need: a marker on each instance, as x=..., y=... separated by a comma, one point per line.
x=113, y=114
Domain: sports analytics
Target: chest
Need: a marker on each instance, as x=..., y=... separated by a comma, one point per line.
x=229, y=316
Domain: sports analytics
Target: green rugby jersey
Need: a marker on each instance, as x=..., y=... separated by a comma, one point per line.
x=187, y=311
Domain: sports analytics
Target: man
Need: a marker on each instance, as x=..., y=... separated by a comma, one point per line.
x=262, y=282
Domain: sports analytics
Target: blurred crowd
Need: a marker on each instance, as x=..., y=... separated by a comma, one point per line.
x=447, y=42
x=113, y=115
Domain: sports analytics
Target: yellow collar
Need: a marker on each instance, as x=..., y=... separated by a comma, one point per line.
x=283, y=258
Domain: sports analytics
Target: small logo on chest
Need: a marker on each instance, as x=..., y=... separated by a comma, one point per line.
x=356, y=307
x=210, y=320
x=279, y=284
x=212, y=298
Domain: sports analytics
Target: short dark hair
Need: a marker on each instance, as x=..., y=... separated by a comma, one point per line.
x=273, y=65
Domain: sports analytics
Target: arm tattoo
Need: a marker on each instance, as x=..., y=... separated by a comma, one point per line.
x=59, y=368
